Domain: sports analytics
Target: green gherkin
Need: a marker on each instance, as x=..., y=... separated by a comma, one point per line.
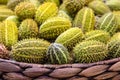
x=98, y=35
x=30, y=50
x=70, y=37
x=108, y=22
x=113, y=4
x=99, y=7
x=12, y=3
x=58, y=54
x=53, y=27
x=4, y=13
x=117, y=16
x=90, y=51
x=73, y=6
x=25, y=10
x=8, y=33
x=114, y=46
x=85, y=19
x=45, y=11
x=28, y=29
x=55, y=1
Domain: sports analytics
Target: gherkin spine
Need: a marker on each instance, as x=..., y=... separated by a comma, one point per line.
x=85, y=19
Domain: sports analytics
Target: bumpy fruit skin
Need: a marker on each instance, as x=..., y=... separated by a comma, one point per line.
x=70, y=37
x=14, y=19
x=30, y=50
x=99, y=7
x=4, y=53
x=73, y=6
x=113, y=4
x=98, y=35
x=117, y=15
x=114, y=46
x=4, y=13
x=108, y=22
x=28, y=29
x=55, y=1
x=3, y=1
x=8, y=33
x=53, y=27
x=90, y=51
x=12, y=3
x=45, y=11
x=85, y=19
x=58, y=54
x=63, y=14
x=25, y=10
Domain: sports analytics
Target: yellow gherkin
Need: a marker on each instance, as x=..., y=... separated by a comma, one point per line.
x=45, y=11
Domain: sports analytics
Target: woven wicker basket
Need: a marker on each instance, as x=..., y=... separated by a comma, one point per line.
x=104, y=70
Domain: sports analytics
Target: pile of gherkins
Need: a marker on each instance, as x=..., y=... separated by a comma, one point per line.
x=59, y=31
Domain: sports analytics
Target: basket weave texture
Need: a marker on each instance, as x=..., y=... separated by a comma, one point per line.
x=104, y=70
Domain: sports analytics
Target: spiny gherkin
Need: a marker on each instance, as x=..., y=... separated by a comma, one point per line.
x=25, y=10
x=28, y=29
x=8, y=33
x=98, y=35
x=108, y=23
x=114, y=46
x=30, y=50
x=53, y=27
x=45, y=11
x=70, y=37
x=58, y=54
x=13, y=3
x=99, y=7
x=73, y=6
x=85, y=19
x=90, y=51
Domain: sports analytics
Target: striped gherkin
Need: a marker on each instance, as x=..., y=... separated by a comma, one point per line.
x=70, y=37
x=108, y=22
x=90, y=51
x=25, y=10
x=5, y=12
x=58, y=54
x=45, y=11
x=53, y=27
x=85, y=19
x=114, y=46
x=28, y=29
x=99, y=7
x=30, y=50
x=73, y=6
x=8, y=33
x=98, y=35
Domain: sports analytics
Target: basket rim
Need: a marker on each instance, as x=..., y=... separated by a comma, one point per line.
x=79, y=65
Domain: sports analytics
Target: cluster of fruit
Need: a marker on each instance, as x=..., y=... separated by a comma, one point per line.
x=60, y=31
